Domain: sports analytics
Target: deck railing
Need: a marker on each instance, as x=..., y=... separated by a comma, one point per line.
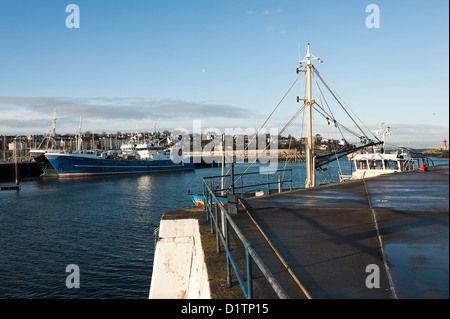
x=220, y=221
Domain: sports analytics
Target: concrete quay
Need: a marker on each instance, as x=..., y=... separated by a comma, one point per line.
x=380, y=238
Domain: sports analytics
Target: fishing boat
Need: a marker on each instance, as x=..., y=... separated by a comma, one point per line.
x=131, y=158
x=115, y=163
x=375, y=164
x=38, y=154
x=368, y=155
x=199, y=200
x=378, y=162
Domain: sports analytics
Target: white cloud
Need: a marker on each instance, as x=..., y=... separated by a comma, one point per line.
x=28, y=114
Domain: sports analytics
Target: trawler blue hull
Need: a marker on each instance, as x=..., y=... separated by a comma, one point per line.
x=80, y=165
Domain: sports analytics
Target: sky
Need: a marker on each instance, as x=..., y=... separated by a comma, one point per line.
x=135, y=64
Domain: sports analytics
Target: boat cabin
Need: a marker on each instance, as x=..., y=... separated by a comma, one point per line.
x=374, y=164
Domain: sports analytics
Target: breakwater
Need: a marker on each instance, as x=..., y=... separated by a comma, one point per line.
x=436, y=152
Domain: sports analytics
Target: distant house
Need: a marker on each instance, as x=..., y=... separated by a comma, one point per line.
x=17, y=146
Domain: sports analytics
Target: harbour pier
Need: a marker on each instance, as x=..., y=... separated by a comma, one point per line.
x=377, y=238
x=25, y=170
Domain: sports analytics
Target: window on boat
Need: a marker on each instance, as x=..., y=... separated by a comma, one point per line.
x=376, y=164
x=361, y=164
x=391, y=165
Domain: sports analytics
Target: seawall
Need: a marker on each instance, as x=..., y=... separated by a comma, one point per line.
x=179, y=269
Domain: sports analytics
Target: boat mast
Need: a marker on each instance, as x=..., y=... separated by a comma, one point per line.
x=53, y=136
x=310, y=161
x=79, y=137
x=310, y=169
x=383, y=131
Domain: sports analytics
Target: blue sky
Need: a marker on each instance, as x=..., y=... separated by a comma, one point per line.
x=228, y=63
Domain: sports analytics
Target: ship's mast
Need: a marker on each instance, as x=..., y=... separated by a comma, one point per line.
x=53, y=136
x=310, y=161
x=79, y=137
x=383, y=131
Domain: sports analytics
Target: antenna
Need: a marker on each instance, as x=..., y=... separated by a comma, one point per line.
x=299, y=65
x=309, y=57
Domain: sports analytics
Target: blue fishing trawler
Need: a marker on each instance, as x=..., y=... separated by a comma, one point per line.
x=130, y=159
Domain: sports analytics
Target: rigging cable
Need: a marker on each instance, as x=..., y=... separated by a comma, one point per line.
x=336, y=96
x=328, y=123
x=264, y=125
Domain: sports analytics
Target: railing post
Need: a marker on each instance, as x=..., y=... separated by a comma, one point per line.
x=280, y=186
x=233, y=206
x=204, y=197
x=217, y=226
x=291, y=181
x=209, y=201
x=227, y=249
x=249, y=274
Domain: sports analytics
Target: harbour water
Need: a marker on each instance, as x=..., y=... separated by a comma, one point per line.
x=104, y=225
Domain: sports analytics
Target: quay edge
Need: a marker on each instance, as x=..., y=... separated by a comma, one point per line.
x=354, y=223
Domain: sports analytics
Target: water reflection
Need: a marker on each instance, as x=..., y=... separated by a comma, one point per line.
x=419, y=270
x=144, y=182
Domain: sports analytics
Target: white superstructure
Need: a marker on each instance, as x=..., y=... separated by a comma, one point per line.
x=374, y=164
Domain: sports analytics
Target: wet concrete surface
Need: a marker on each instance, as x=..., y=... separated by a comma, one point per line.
x=330, y=234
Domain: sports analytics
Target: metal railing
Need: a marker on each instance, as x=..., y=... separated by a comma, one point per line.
x=239, y=187
x=220, y=225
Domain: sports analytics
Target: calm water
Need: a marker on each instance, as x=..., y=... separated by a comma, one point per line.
x=104, y=225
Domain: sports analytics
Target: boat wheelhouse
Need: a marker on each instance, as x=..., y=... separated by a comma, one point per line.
x=374, y=164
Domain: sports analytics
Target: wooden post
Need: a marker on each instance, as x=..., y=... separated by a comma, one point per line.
x=4, y=149
x=16, y=169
